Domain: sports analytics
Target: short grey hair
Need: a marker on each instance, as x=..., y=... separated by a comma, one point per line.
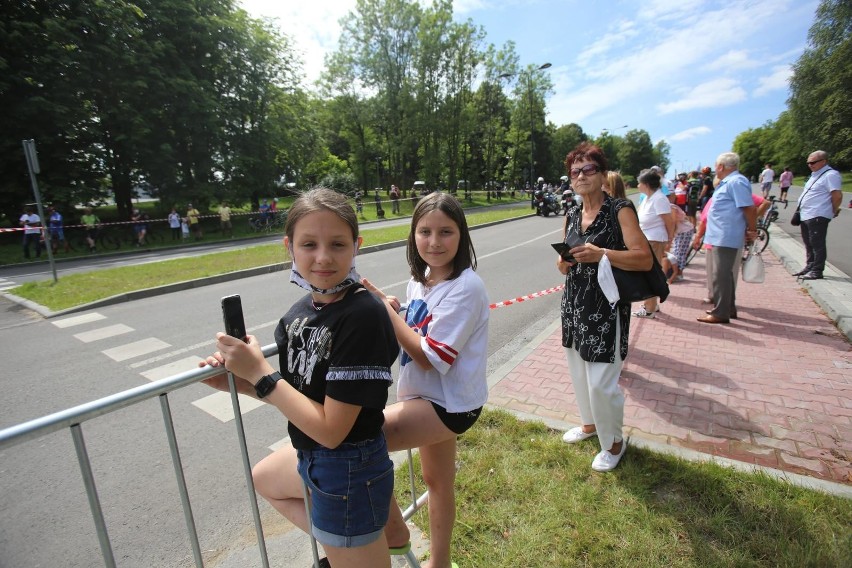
x=650, y=178
x=820, y=154
x=731, y=160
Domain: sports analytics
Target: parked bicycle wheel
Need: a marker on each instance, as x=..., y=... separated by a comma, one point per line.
x=106, y=241
x=762, y=239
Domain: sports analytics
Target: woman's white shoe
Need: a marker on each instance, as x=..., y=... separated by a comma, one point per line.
x=606, y=461
x=575, y=435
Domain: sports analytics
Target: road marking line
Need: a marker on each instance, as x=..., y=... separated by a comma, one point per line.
x=103, y=333
x=173, y=368
x=78, y=320
x=218, y=405
x=135, y=349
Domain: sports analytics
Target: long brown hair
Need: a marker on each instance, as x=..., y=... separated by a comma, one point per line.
x=449, y=206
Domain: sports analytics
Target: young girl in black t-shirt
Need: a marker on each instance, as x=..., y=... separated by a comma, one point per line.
x=336, y=347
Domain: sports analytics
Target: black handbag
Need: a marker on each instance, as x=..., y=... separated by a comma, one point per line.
x=638, y=285
x=796, y=219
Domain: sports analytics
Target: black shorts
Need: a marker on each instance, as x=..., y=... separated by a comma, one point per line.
x=458, y=422
x=691, y=208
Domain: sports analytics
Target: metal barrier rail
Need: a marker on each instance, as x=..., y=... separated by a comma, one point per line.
x=73, y=419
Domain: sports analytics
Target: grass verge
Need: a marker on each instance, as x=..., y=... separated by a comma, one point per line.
x=525, y=498
x=82, y=288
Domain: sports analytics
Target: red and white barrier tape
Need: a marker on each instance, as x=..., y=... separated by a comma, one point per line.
x=527, y=297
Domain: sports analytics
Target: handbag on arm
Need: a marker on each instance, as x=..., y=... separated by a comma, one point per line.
x=637, y=285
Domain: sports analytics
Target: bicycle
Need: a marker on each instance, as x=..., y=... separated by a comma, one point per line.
x=273, y=222
x=764, y=222
x=103, y=241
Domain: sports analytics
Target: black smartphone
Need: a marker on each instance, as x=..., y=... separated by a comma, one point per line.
x=232, y=314
x=563, y=249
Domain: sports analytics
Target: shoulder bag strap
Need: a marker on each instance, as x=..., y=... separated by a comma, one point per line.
x=802, y=198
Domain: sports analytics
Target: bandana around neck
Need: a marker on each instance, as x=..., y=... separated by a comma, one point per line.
x=300, y=281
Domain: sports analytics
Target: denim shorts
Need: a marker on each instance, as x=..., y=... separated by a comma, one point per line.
x=351, y=488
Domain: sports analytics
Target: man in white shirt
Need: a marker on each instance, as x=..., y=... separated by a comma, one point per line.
x=767, y=176
x=818, y=205
x=32, y=231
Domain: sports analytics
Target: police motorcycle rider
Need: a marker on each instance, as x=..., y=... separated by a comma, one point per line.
x=545, y=201
x=567, y=194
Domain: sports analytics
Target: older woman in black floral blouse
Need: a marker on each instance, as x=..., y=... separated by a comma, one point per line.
x=594, y=332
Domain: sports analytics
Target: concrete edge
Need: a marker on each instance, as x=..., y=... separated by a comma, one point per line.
x=198, y=282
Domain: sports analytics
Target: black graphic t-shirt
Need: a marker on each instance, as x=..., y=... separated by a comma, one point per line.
x=588, y=321
x=344, y=351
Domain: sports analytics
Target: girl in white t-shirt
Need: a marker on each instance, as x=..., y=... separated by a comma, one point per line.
x=656, y=221
x=444, y=338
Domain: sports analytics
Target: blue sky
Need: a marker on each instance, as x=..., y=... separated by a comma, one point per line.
x=693, y=72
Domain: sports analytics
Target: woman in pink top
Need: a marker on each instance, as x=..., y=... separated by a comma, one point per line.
x=786, y=180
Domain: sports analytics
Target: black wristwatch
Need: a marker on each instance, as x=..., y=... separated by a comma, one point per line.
x=265, y=385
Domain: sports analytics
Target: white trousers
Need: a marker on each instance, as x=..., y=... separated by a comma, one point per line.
x=599, y=398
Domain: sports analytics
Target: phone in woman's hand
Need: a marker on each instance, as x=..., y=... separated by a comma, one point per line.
x=232, y=314
x=563, y=249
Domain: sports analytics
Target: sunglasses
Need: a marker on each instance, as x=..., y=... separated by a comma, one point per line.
x=816, y=161
x=587, y=170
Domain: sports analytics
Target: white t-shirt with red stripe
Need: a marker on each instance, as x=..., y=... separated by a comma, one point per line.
x=452, y=320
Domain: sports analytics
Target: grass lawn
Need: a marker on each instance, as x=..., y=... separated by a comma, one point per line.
x=82, y=288
x=526, y=499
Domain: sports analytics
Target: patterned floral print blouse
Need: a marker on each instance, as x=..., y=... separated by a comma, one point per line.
x=588, y=321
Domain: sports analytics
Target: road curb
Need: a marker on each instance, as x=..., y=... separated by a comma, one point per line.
x=833, y=294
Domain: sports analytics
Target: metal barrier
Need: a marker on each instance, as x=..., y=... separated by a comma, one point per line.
x=73, y=419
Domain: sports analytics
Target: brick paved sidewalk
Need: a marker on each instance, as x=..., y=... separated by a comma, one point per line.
x=773, y=388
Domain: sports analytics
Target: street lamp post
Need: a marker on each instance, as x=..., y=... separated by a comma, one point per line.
x=532, y=123
x=611, y=130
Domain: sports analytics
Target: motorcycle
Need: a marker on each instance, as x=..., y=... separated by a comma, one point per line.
x=568, y=201
x=545, y=203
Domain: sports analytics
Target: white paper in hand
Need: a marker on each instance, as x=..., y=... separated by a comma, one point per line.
x=607, y=281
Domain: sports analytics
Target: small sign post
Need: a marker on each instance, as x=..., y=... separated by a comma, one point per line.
x=32, y=165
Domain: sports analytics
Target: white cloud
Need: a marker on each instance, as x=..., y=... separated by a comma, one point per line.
x=312, y=25
x=715, y=93
x=690, y=133
x=735, y=60
x=777, y=81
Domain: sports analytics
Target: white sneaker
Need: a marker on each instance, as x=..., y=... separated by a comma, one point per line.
x=606, y=461
x=643, y=313
x=575, y=435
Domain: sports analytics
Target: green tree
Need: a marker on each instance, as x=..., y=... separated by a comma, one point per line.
x=821, y=87
x=611, y=146
x=754, y=147
x=564, y=139
x=662, y=150
x=635, y=152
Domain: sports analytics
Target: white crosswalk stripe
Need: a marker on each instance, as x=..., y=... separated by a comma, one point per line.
x=173, y=368
x=218, y=405
x=135, y=349
x=78, y=320
x=6, y=284
x=103, y=333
